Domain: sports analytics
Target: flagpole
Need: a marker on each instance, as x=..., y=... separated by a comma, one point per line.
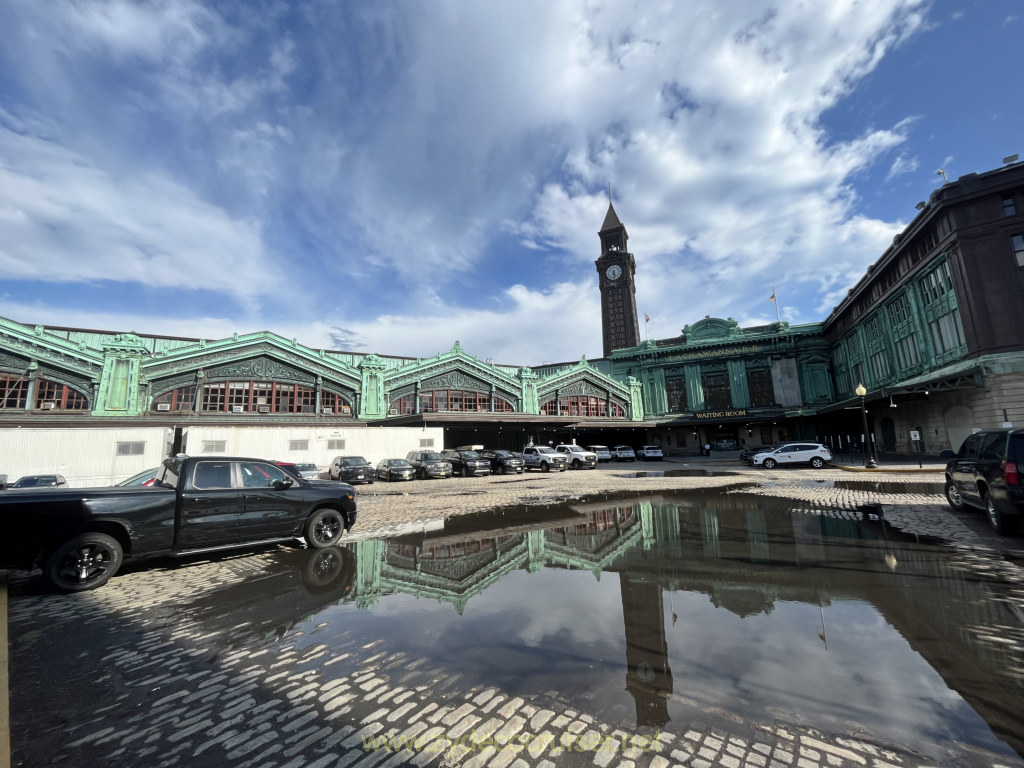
x=775, y=299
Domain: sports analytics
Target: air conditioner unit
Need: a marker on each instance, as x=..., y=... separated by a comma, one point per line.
x=237, y=408
x=393, y=412
x=263, y=408
x=48, y=406
x=346, y=409
x=163, y=406
x=326, y=410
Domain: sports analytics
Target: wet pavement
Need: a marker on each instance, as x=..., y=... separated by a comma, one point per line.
x=722, y=617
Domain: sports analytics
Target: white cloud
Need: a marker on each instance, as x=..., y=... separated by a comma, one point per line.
x=386, y=149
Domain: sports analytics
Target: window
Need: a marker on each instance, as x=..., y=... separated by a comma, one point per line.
x=180, y=399
x=716, y=391
x=583, y=405
x=936, y=284
x=1008, y=207
x=1018, y=249
x=336, y=445
x=426, y=442
x=212, y=474
x=134, y=448
x=675, y=393
x=215, y=446
x=880, y=365
x=759, y=385
x=13, y=392
x=298, y=445
x=907, y=353
x=62, y=397
x=947, y=333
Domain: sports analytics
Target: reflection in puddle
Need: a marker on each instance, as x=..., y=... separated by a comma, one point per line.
x=659, y=608
x=890, y=487
x=677, y=473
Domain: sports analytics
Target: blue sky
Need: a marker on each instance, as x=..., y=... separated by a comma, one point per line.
x=394, y=176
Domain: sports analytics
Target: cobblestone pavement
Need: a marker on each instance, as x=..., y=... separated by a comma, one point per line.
x=149, y=689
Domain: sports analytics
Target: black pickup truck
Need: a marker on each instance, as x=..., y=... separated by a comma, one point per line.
x=80, y=536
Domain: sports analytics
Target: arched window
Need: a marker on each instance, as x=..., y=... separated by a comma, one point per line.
x=447, y=400
x=252, y=397
x=13, y=392
x=583, y=405
x=62, y=397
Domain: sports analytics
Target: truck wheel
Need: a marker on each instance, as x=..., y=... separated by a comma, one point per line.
x=84, y=562
x=956, y=501
x=576, y=464
x=544, y=466
x=1001, y=523
x=324, y=528
x=465, y=471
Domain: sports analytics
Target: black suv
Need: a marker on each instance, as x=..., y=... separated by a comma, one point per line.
x=985, y=473
x=429, y=464
x=503, y=461
x=351, y=469
x=467, y=462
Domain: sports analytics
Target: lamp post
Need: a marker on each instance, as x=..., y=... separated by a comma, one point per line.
x=869, y=447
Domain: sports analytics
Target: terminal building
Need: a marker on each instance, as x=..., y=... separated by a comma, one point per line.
x=931, y=332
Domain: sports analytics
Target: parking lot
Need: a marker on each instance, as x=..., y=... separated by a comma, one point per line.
x=139, y=672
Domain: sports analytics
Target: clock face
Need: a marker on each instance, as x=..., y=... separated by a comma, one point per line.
x=614, y=272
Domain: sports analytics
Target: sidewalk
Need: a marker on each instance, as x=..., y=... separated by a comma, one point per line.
x=850, y=462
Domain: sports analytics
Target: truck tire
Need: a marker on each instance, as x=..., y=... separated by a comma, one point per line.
x=84, y=562
x=576, y=464
x=324, y=528
x=544, y=466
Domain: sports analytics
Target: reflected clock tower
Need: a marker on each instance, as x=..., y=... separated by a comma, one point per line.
x=616, y=268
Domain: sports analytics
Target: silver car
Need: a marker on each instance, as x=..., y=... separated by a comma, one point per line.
x=812, y=454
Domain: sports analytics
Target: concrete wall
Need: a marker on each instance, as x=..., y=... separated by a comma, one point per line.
x=374, y=443
x=86, y=457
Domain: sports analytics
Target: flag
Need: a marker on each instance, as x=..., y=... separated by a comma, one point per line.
x=647, y=318
x=772, y=298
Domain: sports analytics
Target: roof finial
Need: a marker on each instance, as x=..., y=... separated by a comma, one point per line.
x=609, y=193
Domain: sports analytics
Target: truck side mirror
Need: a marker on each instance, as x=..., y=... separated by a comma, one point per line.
x=281, y=483
x=948, y=454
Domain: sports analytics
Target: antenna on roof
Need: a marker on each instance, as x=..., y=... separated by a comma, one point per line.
x=609, y=193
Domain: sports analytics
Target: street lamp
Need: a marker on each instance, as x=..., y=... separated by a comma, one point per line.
x=869, y=447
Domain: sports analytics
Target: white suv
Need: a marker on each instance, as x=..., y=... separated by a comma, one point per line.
x=578, y=456
x=650, y=453
x=812, y=454
x=603, y=454
x=623, y=453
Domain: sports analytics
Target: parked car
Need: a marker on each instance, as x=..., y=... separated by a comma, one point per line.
x=429, y=464
x=650, y=453
x=813, y=454
x=503, y=462
x=145, y=477
x=467, y=462
x=395, y=469
x=302, y=471
x=603, y=454
x=623, y=453
x=578, y=456
x=39, y=481
x=80, y=538
x=986, y=473
x=545, y=458
x=351, y=469
x=748, y=453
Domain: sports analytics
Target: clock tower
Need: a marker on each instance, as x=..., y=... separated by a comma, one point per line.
x=616, y=267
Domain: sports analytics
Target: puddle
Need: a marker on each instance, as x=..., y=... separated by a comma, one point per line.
x=677, y=473
x=886, y=486
x=656, y=609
